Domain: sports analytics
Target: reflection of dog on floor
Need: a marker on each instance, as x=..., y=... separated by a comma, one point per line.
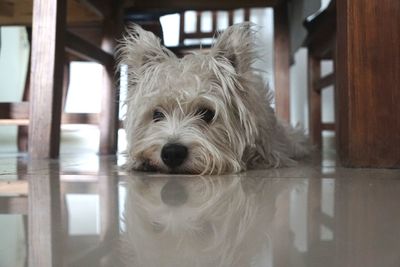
x=204, y=113
x=198, y=221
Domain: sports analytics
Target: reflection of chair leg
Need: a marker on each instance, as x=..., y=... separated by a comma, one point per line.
x=26, y=234
x=281, y=234
x=109, y=217
x=103, y=254
x=45, y=243
x=314, y=200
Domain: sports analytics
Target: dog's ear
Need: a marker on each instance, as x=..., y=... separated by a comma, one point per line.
x=139, y=47
x=236, y=44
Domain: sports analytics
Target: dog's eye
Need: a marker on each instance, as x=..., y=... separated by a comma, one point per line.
x=206, y=114
x=158, y=115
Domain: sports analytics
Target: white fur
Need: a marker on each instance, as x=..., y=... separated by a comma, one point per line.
x=244, y=132
x=224, y=222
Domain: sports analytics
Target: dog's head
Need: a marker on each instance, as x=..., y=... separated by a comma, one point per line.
x=193, y=114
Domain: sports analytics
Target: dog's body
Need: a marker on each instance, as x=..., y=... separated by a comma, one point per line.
x=203, y=113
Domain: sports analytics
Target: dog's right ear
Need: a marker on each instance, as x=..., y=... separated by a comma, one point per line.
x=139, y=47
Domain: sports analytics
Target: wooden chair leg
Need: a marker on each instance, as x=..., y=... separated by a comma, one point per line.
x=48, y=52
x=67, y=70
x=109, y=120
x=282, y=62
x=314, y=100
x=23, y=131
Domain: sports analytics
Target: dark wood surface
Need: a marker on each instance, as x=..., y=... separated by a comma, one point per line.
x=47, y=61
x=83, y=49
x=200, y=5
x=108, y=119
x=368, y=83
x=314, y=101
x=282, y=62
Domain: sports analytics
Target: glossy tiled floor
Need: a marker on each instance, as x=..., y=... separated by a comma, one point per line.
x=84, y=211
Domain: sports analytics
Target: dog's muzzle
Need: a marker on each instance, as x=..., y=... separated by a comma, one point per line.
x=173, y=155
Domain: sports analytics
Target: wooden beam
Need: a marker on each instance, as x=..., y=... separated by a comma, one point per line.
x=328, y=126
x=80, y=118
x=14, y=110
x=368, y=83
x=281, y=62
x=13, y=205
x=47, y=63
x=325, y=81
x=19, y=187
x=314, y=101
x=86, y=50
x=14, y=122
x=19, y=12
x=6, y=8
x=202, y=5
x=108, y=120
x=199, y=35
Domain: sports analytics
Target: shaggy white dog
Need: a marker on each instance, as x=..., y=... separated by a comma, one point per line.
x=205, y=113
x=199, y=221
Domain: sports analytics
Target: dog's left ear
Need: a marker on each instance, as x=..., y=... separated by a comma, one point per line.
x=139, y=47
x=236, y=44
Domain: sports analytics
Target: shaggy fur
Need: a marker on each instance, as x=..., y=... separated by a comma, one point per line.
x=221, y=222
x=244, y=132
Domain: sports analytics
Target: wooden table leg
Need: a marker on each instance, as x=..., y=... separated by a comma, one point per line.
x=281, y=61
x=47, y=56
x=368, y=83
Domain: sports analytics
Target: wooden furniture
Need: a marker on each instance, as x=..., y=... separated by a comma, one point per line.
x=321, y=44
x=50, y=40
x=368, y=83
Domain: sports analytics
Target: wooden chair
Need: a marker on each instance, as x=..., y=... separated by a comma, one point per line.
x=198, y=34
x=90, y=31
x=321, y=44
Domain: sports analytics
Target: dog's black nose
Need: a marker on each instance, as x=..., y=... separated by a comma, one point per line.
x=174, y=193
x=173, y=155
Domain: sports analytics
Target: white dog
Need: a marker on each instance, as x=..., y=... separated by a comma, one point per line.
x=203, y=113
x=198, y=221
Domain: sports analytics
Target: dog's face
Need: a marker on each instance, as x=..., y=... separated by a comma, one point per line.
x=191, y=114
